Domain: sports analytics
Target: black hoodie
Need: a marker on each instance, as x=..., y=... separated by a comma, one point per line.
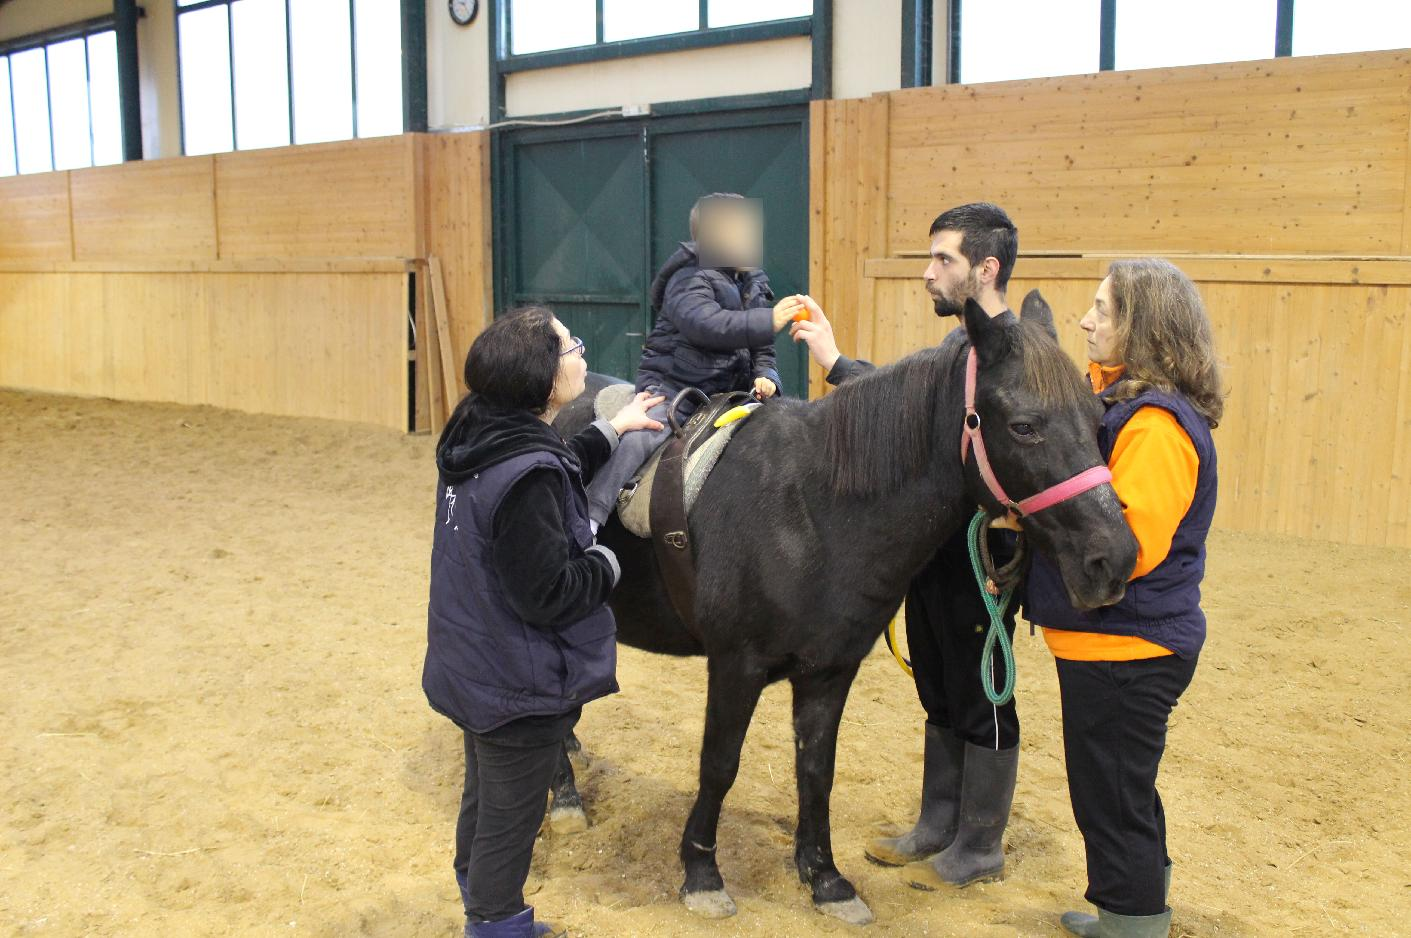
x=546, y=581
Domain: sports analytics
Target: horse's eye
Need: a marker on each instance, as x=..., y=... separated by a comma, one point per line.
x=1022, y=429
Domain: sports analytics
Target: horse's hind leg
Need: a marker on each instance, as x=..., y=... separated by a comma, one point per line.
x=733, y=692
x=566, y=815
x=818, y=709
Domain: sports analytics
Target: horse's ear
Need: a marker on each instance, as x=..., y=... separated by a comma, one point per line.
x=1036, y=309
x=990, y=337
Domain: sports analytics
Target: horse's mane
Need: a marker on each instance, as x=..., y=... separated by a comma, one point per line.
x=881, y=427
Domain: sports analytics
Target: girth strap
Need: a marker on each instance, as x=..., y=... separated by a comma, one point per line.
x=671, y=529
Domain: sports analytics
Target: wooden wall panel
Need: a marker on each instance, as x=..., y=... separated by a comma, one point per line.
x=149, y=210
x=342, y=356
x=1299, y=155
x=351, y=199
x=851, y=218
x=34, y=218
x=303, y=344
x=456, y=177
x=273, y=281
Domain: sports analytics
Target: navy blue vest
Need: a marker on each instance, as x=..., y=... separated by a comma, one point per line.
x=485, y=666
x=1164, y=606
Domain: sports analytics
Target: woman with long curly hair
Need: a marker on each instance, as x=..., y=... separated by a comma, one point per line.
x=1122, y=668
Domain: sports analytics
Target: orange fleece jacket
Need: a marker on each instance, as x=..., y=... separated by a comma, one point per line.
x=1154, y=466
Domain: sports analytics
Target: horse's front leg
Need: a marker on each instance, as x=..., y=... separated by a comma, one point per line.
x=566, y=814
x=818, y=709
x=732, y=694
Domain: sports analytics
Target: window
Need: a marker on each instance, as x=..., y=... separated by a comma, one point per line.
x=541, y=25
x=1064, y=37
x=740, y=12
x=8, y=155
x=1321, y=27
x=549, y=25
x=267, y=73
x=991, y=49
x=631, y=19
x=59, y=104
x=1194, y=32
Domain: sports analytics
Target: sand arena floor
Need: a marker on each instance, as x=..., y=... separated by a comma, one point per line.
x=210, y=645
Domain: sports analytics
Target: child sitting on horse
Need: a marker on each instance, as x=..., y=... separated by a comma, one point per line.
x=715, y=326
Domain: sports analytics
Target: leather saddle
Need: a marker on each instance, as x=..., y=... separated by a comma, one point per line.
x=657, y=503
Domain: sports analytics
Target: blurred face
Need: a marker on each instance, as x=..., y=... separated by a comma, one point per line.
x=573, y=368
x=730, y=233
x=1100, y=328
x=949, y=277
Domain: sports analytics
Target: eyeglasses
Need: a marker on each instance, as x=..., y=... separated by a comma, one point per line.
x=577, y=348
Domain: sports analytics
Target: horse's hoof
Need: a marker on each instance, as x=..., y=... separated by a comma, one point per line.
x=853, y=911
x=568, y=820
x=714, y=904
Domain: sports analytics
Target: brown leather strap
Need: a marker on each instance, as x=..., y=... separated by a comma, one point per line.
x=671, y=532
x=671, y=529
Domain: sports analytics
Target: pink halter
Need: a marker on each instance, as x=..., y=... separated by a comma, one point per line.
x=971, y=436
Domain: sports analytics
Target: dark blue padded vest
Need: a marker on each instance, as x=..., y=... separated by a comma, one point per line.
x=1164, y=606
x=485, y=666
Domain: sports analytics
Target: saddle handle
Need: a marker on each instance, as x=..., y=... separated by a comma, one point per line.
x=696, y=393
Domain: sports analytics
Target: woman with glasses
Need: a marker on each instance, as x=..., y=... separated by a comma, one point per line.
x=519, y=635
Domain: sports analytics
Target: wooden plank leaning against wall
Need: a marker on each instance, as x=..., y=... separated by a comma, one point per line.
x=274, y=281
x=1281, y=188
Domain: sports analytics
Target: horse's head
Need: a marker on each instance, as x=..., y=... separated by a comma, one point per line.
x=1040, y=423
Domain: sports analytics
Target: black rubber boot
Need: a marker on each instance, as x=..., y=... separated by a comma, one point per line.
x=940, y=804
x=977, y=852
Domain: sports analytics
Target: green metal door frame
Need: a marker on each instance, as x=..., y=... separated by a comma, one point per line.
x=505, y=230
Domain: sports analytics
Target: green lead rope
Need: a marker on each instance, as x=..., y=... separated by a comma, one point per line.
x=996, y=608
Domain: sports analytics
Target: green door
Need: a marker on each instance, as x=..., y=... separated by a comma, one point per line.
x=576, y=243
x=585, y=216
x=763, y=161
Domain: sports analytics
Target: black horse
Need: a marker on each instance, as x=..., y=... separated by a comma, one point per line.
x=810, y=528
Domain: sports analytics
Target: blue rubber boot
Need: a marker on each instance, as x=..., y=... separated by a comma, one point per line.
x=516, y=926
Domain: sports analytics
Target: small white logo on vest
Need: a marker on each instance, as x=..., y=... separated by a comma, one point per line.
x=450, y=503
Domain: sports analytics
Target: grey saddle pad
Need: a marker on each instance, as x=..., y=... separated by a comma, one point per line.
x=634, y=503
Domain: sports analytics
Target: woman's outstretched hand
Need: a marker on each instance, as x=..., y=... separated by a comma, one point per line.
x=634, y=415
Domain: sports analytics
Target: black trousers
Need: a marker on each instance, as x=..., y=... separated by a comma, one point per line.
x=506, y=794
x=1114, y=734
x=946, y=624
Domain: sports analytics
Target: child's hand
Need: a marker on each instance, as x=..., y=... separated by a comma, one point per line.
x=634, y=415
x=763, y=388
x=787, y=309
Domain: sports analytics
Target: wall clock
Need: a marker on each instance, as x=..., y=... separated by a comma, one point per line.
x=464, y=11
